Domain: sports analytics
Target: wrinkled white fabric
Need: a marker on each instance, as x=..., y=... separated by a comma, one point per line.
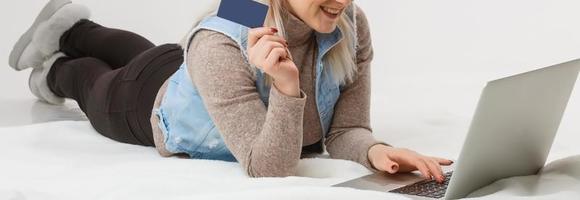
x=69, y=160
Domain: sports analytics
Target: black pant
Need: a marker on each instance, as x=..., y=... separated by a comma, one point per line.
x=114, y=76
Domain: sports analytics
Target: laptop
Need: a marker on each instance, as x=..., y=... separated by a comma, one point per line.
x=510, y=135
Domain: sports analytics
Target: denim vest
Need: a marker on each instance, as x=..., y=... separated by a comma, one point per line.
x=186, y=123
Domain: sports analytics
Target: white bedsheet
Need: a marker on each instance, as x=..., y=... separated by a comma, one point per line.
x=69, y=160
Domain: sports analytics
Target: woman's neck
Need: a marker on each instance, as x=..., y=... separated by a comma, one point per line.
x=297, y=32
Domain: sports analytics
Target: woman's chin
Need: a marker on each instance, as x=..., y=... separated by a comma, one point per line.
x=326, y=29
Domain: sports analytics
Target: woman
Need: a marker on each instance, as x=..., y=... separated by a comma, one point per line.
x=264, y=97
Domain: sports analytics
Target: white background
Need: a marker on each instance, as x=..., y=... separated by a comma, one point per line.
x=432, y=58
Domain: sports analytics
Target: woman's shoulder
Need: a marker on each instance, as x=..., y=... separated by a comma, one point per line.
x=362, y=23
x=364, y=43
x=209, y=38
x=211, y=50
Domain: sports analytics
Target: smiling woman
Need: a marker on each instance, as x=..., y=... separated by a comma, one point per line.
x=323, y=17
x=263, y=97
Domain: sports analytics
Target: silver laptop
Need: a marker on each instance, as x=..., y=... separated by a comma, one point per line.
x=510, y=135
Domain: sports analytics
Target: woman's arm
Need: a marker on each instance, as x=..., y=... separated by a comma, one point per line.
x=266, y=141
x=350, y=135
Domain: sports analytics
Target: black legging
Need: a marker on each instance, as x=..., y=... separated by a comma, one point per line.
x=114, y=76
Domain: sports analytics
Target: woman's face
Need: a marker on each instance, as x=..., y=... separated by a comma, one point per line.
x=320, y=15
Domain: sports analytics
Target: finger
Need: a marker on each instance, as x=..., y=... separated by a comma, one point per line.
x=389, y=166
x=443, y=161
x=273, y=38
x=422, y=167
x=435, y=169
x=259, y=54
x=256, y=33
x=273, y=59
x=263, y=48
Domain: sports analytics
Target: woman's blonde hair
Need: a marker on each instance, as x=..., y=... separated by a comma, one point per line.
x=341, y=57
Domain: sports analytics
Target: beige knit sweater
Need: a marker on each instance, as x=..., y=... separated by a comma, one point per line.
x=269, y=141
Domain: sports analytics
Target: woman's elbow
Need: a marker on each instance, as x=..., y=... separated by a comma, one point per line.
x=272, y=170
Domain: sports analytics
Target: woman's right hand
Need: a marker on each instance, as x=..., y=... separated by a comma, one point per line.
x=394, y=160
x=269, y=52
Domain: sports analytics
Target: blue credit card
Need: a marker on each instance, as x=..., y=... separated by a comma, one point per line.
x=245, y=12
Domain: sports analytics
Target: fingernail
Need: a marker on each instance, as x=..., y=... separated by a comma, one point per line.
x=274, y=30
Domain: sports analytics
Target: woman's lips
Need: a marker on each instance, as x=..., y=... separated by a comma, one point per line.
x=331, y=12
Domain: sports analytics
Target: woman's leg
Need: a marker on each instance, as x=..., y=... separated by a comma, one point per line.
x=74, y=77
x=114, y=75
x=113, y=46
x=118, y=102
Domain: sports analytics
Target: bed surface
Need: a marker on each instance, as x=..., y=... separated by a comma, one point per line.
x=69, y=160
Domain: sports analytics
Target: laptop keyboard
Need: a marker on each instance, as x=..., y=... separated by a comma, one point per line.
x=426, y=188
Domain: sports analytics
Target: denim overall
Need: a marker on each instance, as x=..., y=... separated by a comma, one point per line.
x=184, y=120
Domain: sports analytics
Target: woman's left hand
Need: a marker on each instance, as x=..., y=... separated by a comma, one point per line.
x=394, y=160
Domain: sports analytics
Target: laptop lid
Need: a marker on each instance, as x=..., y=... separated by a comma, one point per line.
x=513, y=127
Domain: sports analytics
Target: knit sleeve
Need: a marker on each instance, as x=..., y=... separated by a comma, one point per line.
x=350, y=135
x=267, y=141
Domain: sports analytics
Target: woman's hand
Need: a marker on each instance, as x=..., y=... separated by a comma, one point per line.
x=270, y=53
x=393, y=160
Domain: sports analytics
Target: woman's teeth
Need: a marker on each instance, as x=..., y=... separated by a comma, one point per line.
x=331, y=10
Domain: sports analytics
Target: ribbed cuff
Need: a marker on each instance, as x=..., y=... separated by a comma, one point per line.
x=286, y=103
x=363, y=146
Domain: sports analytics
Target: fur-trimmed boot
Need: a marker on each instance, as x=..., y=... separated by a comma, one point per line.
x=38, y=84
x=42, y=39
